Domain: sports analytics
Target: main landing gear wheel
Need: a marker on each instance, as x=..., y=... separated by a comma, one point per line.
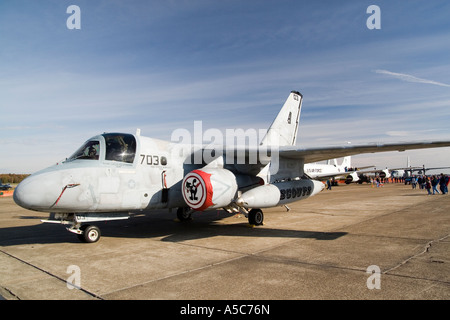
x=183, y=214
x=256, y=217
x=90, y=234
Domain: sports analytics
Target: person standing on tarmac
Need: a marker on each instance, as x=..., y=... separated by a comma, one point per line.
x=434, y=183
x=428, y=185
x=413, y=182
x=443, y=183
x=447, y=180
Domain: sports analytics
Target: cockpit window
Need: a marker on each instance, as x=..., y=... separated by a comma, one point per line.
x=120, y=147
x=88, y=151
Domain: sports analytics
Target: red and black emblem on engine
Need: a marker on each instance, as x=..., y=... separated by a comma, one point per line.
x=197, y=190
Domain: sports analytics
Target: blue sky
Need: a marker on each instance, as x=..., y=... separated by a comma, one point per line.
x=161, y=65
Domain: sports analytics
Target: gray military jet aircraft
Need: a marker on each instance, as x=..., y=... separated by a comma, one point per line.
x=113, y=175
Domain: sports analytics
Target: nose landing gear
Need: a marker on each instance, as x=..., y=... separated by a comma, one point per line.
x=86, y=232
x=90, y=234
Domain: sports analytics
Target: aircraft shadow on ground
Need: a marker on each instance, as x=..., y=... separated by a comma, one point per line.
x=163, y=226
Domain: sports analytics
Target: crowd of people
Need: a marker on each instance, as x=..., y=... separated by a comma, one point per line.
x=431, y=183
x=434, y=184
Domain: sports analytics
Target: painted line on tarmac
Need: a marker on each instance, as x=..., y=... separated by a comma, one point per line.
x=51, y=274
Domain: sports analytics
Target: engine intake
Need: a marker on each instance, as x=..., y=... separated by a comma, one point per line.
x=206, y=189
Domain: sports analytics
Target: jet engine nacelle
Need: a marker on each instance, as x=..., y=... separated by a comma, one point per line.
x=208, y=188
x=280, y=193
x=353, y=177
x=384, y=173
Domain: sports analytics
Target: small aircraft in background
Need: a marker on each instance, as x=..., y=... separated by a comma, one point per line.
x=404, y=172
x=6, y=186
x=113, y=175
x=408, y=170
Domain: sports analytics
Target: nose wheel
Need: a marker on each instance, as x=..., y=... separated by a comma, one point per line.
x=89, y=234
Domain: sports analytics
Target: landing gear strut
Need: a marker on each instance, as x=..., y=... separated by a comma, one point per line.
x=255, y=216
x=86, y=232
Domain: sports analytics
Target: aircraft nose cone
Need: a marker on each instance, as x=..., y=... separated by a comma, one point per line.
x=31, y=194
x=26, y=195
x=318, y=187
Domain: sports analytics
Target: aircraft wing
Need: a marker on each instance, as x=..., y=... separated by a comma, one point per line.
x=361, y=168
x=316, y=154
x=407, y=168
x=428, y=169
x=280, y=142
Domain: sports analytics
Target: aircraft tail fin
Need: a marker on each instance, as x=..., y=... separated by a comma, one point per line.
x=283, y=130
x=347, y=162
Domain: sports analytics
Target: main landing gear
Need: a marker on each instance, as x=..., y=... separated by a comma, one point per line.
x=255, y=216
x=184, y=214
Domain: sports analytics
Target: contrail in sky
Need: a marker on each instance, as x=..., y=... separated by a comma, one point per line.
x=410, y=78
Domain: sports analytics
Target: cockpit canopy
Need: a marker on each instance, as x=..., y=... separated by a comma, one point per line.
x=90, y=150
x=118, y=147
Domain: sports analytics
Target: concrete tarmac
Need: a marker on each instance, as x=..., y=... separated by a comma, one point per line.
x=321, y=249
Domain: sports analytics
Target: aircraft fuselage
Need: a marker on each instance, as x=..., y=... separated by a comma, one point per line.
x=99, y=183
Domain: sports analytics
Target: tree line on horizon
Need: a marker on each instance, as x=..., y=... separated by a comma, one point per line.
x=12, y=177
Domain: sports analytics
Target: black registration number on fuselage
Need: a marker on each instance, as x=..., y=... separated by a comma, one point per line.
x=152, y=160
x=294, y=192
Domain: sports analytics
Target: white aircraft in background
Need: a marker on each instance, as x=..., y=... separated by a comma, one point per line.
x=404, y=172
x=331, y=169
x=114, y=174
x=399, y=172
x=408, y=170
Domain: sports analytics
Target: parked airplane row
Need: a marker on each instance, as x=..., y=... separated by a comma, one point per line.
x=114, y=174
